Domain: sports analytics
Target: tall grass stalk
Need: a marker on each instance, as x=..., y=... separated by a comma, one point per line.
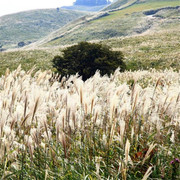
x=103, y=128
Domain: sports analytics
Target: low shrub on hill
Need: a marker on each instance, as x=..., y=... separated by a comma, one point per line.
x=86, y=58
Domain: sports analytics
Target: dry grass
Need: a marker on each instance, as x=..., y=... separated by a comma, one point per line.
x=122, y=127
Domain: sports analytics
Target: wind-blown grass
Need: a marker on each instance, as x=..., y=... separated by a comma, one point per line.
x=121, y=127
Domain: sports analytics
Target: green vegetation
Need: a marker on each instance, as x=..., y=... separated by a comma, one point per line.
x=145, y=42
x=39, y=58
x=125, y=22
x=158, y=50
x=30, y=26
x=140, y=7
x=126, y=4
x=120, y=4
x=140, y=52
x=86, y=58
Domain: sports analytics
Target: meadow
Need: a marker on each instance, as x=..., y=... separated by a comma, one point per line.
x=126, y=126
x=140, y=52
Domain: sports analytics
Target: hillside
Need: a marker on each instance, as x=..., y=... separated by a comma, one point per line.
x=141, y=52
x=128, y=21
x=146, y=40
x=119, y=4
x=30, y=26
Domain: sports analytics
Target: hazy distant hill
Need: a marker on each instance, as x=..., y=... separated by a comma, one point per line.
x=128, y=18
x=86, y=5
x=89, y=5
x=30, y=26
x=91, y=2
x=85, y=8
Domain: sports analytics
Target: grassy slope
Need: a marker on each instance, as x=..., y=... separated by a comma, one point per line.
x=32, y=25
x=148, y=51
x=119, y=23
x=141, y=51
x=119, y=4
x=140, y=7
x=39, y=57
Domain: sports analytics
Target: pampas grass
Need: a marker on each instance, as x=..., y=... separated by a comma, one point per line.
x=103, y=128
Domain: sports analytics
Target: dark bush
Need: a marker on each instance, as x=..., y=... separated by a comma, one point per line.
x=21, y=44
x=86, y=58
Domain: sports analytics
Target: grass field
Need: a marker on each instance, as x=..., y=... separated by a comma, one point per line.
x=11, y=60
x=158, y=50
x=126, y=126
x=141, y=7
x=123, y=127
x=141, y=52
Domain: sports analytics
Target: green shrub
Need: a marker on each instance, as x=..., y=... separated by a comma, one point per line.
x=86, y=58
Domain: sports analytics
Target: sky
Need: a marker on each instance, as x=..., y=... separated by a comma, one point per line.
x=13, y=6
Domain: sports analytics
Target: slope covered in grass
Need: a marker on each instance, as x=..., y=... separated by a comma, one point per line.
x=158, y=50
x=122, y=4
x=153, y=42
x=124, y=22
x=30, y=26
x=140, y=51
x=119, y=4
x=123, y=127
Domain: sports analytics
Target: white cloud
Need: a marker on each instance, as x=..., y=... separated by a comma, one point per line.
x=12, y=6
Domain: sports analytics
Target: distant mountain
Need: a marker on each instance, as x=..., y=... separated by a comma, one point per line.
x=85, y=8
x=26, y=27
x=91, y=2
x=120, y=19
x=88, y=5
